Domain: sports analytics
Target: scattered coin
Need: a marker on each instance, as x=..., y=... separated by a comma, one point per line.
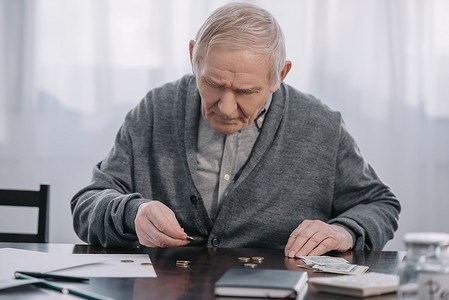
x=243, y=259
x=127, y=260
x=146, y=264
x=250, y=265
x=183, y=263
x=257, y=259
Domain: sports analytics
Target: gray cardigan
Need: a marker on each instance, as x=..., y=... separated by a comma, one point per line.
x=304, y=165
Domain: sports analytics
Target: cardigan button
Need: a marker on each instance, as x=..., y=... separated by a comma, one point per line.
x=215, y=242
x=194, y=199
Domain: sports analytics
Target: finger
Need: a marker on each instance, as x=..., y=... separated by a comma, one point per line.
x=159, y=239
x=143, y=231
x=324, y=239
x=150, y=236
x=164, y=219
x=298, y=238
x=294, y=235
x=169, y=227
x=157, y=226
x=311, y=240
x=313, y=233
x=324, y=247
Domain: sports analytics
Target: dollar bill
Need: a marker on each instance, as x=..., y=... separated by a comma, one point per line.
x=323, y=260
x=309, y=267
x=330, y=264
x=342, y=269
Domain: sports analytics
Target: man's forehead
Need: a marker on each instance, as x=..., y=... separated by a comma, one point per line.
x=241, y=59
x=234, y=83
x=233, y=76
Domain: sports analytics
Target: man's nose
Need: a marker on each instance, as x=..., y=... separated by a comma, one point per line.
x=227, y=103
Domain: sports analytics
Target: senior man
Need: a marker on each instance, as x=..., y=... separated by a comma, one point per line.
x=234, y=157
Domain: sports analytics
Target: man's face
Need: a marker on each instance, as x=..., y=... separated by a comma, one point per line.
x=234, y=86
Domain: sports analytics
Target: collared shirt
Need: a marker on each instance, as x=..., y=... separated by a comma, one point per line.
x=222, y=156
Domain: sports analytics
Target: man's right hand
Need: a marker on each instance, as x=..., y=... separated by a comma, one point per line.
x=157, y=226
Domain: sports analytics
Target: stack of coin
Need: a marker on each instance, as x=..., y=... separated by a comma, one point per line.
x=257, y=259
x=243, y=259
x=183, y=263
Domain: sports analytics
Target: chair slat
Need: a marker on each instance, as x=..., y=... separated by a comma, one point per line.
x=19, y=198
x=23, y=198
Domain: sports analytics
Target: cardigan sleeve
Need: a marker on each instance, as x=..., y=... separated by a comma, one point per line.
x=139, y=168
x=362, y=203
x=104, y=211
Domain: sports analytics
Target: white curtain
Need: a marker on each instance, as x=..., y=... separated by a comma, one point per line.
x=71, y=69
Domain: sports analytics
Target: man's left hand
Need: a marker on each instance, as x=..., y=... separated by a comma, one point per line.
x=314, y=237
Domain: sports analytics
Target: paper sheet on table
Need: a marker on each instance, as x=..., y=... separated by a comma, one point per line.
x=89, y=265
x=12, y=260
x=114, y=265
x=9, y=283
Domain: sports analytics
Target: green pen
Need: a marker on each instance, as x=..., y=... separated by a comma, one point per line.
x=63, y=289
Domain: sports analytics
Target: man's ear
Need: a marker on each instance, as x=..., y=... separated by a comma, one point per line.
x=284, y=72
x=191, y=45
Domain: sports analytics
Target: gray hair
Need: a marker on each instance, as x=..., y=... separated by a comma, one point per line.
x=241, y=26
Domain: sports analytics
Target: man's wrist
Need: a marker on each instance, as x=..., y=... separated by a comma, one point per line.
x=130, y=214
x=347, y=239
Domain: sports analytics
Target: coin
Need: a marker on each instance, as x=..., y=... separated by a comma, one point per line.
x=127, y=260
x=257, y=259
x=243, y=259
x=183, y=265
x=250, y=265
x=189, y=238
x=183, y=261
x=146, y=264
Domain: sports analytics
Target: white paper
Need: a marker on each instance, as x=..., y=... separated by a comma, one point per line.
x=84, y=265
x=112, y=266
x=12, y=260
x=9, y=283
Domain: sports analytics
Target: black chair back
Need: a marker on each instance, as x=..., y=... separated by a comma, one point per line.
x=28, y=198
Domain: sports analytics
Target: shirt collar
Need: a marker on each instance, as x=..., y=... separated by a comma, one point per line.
x=261, y=116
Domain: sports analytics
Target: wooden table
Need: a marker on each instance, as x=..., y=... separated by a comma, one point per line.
x=197, y=281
